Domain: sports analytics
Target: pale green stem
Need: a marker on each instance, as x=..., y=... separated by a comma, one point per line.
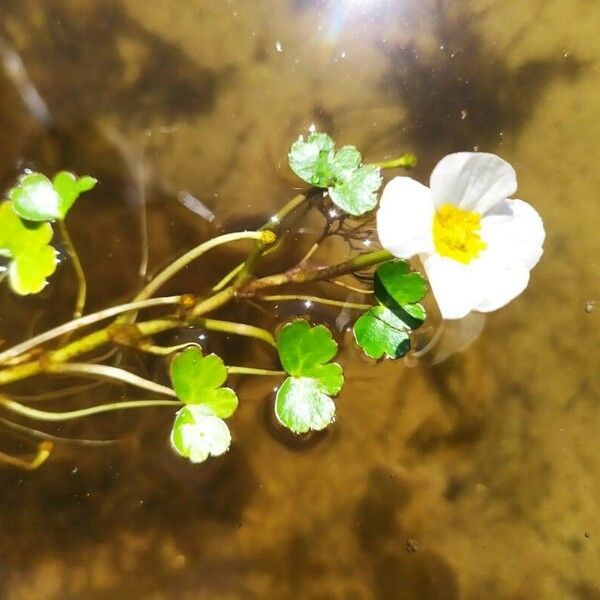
x=43, y=452
x=351, y=287
x=316, y=299
x=273, y=225
x=108, y=372
x=237, y=329
x=253, y=371
x=266, y=237
x=79, y=274
x=406, y=161
x=163, y=350
x=29, y=432
x=228, y=278
x=83, y=322
x=42, y=415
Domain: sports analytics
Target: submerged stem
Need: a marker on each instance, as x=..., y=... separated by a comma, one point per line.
x=43, y=452
x=79, y=273
x=317, y=300
x=254, y=371
x=351, y=287
x=237, y=329
x=111, y=373
x=266, y=237
x=83, y=322
x=272, y=225
x=301, y=275
x=42, y=415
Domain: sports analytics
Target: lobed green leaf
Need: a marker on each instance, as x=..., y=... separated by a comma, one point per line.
x=33, y=259
x=380, y=332
x=69, y=188
x=302, y=405
x=356, y=193
x=198, y=433
x=35, y=199
x=312, y=159
x=304, y=401
x=396, y=285
x=197, y=379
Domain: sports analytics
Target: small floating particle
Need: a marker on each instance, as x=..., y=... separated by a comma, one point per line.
x=278, y=46
x=590, y=305
x=411, y=545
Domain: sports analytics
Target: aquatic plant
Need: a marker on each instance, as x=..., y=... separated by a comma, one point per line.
x=477, y=248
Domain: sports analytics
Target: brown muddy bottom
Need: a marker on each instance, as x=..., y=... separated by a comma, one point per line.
x=474, y=478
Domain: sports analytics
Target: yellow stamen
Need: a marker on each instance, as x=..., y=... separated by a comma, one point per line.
x=456, y=233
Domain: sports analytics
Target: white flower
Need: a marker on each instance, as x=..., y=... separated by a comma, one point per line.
x=476, y=244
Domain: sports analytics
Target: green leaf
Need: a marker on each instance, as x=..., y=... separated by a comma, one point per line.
x=304, y=401
x=199, y=433
x=302, y=405
x=69, y=187
x=380, y=332
x=198, y=379
x=304, y=350
x=345, y=162
x=27, y=244
x=27, y=273
x=86, y=183
x=35, y=199
x=412, y=314
x=312, y=159
x=395, y=284
x=357, y=194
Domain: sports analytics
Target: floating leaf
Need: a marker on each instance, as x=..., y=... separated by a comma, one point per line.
x=304, y=352
x=380, y=332
x=69, y=187
x=412, y=314
x=312, y=159
x=357, y=194
x=302, y=405
x=33, y=259
x=395, y=284
x=27, y=273
x=198, y=379
x=199, y=433
x=304, y=401
x=345, y=162
x=35, y=199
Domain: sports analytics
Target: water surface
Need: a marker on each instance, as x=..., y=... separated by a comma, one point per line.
x=475, y=478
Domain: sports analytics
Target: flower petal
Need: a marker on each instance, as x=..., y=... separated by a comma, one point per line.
x=497, y=283
x=452, y=285
x=514, y=230
x=514, y=234
x=405, y=217
x=473, y=181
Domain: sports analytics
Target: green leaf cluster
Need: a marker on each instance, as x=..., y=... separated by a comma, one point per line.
x=352, y=187
x=384, y=330
x=304, y=401
x=25, y=231
x=27, y=246
x=199, y=430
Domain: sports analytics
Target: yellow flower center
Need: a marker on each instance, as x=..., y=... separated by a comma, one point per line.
x=456, y=233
